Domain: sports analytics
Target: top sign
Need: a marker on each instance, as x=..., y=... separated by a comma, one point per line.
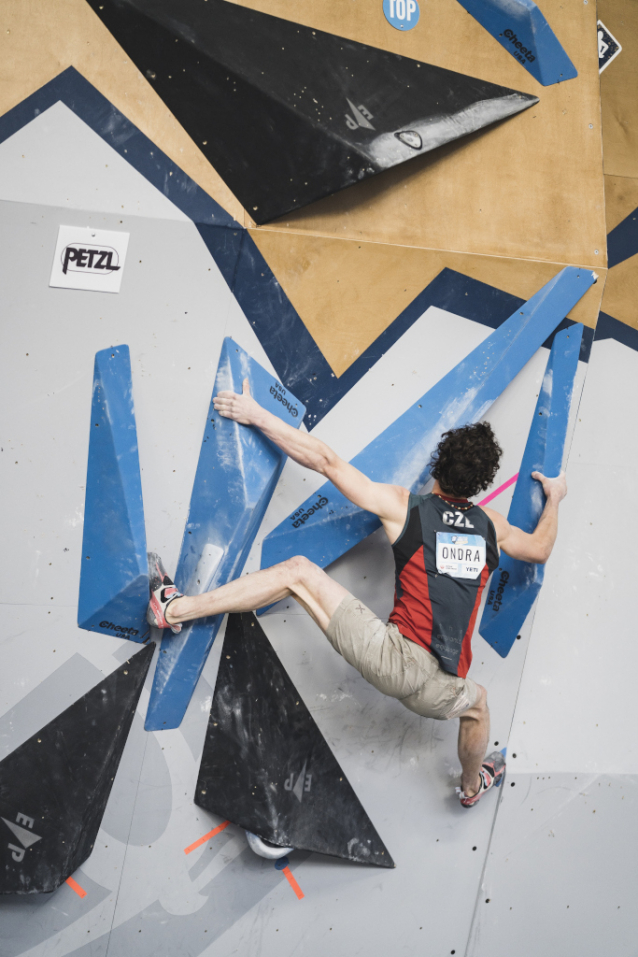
x=87, y=258
x=402, y=14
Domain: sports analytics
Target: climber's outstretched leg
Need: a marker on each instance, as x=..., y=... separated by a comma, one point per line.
x=297, y=578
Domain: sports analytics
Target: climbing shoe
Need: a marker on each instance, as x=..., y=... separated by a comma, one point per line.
x=491, y=774
x=163, y=592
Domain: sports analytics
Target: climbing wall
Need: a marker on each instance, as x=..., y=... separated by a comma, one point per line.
x=356, y=305
x=571, y=793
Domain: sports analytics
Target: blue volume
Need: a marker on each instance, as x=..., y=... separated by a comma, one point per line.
x=521, y=28
x=515, y=585
x=114, y=571
x=327, y=524
x=237, y=472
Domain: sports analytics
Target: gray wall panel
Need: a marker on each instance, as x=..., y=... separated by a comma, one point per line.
x=57, y=160
x=561, y=874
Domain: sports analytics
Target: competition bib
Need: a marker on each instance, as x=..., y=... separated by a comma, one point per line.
x=460, y=556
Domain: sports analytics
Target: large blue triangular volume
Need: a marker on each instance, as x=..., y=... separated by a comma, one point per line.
x=114, y=572
x=521, y=28
x=515, y=584
x=327, y=524
x=237, y=472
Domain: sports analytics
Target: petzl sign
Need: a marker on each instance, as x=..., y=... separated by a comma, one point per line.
x=87, y=258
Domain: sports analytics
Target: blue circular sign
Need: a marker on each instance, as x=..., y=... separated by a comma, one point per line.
x=402, y=14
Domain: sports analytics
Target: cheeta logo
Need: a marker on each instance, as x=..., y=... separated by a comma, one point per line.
x=303, y=515
x=279, y=397
x=511, y=36
x=495, y=598
x=124, y=631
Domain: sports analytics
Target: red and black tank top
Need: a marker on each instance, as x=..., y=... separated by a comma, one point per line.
x=443, y=557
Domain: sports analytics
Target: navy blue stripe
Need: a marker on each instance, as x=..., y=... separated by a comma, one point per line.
x=295, y=356
x=622, y=241
x=467, y=297
x=610, y=328
x=299, y=362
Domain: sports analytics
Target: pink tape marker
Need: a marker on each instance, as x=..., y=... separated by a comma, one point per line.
x=498, y=491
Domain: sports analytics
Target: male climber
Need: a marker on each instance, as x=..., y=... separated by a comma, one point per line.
x=422, y=654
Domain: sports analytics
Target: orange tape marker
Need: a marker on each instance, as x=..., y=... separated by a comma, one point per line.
x=75, y=887
x=206, y=837
x=293, y=883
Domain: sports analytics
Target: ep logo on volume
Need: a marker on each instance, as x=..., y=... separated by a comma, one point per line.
x=402, y=14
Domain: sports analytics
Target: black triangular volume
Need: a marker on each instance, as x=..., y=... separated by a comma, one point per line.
x=287, y=114
x=266, y=765
x=54, y=787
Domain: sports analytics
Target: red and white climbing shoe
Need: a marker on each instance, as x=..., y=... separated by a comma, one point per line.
x=491, y=774
x=163, y=592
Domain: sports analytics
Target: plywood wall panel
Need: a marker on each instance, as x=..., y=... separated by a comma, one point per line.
x=618, y=89
x=530, y=187
x=348, y=292
x=621, y=198
x=619, y=104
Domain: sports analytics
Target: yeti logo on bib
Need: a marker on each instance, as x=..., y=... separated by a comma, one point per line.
x=460, y=556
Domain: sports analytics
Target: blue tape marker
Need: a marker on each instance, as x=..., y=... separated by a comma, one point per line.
x=515, y=585
x=521, y=28
x=609, y=328
x=622, y=241
x=114, y=570
x=237, y=472
x=281, y=863
x=327, y=524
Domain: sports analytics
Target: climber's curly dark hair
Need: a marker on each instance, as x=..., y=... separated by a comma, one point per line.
x=466, y=460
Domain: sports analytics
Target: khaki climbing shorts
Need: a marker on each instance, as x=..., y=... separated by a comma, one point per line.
x=397, y=666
